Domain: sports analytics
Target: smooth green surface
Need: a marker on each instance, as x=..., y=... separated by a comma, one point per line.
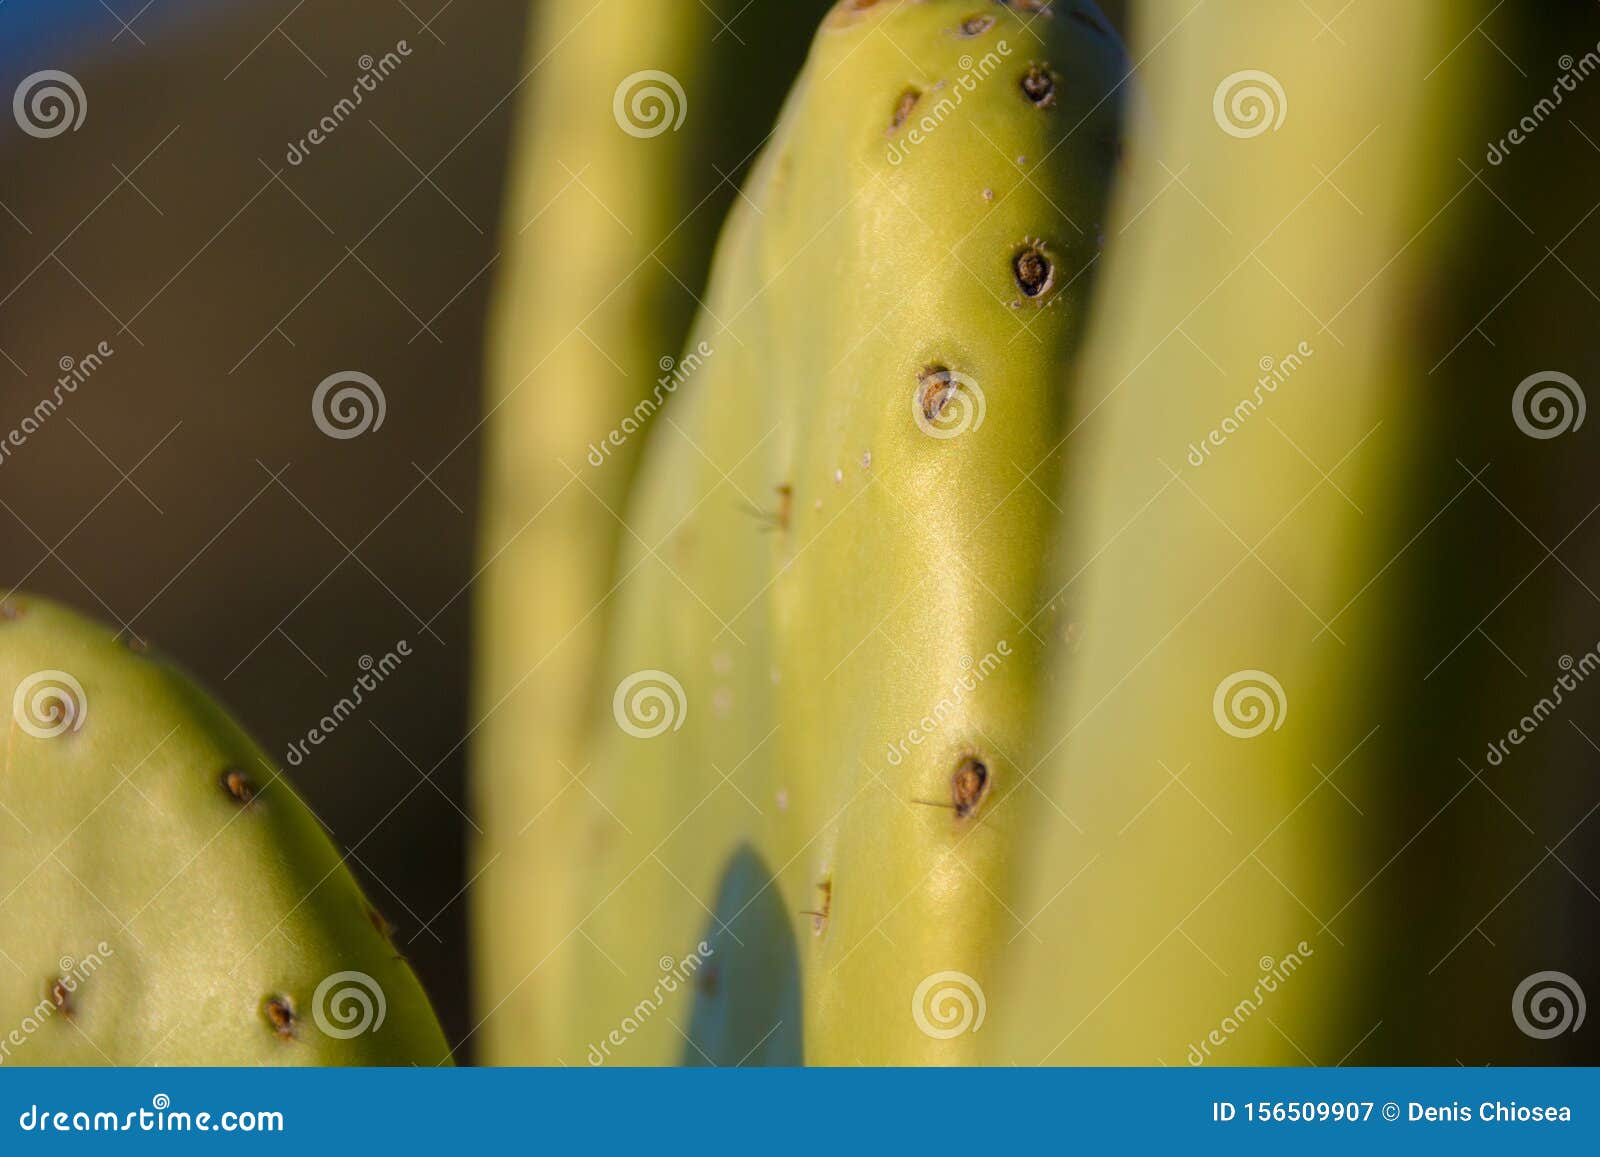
x=147, y=913
x=1199, y=878
x=1231, y=665
x=607, y=237
x=817, y=573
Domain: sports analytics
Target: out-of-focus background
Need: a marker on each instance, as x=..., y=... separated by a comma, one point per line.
x=183, y=490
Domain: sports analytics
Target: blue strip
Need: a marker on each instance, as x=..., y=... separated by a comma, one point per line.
x=67, y=33
x=969, y=1111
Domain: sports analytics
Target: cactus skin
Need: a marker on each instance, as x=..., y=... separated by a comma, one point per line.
x=1170, y=913
x=150, y=914
x=608, y=238
x=1160, y=938
x=810, y=633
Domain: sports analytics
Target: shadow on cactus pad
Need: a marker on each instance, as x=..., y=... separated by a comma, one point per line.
x=747, y=995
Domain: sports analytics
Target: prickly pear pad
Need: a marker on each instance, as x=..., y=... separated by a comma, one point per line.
x=825, y=647
x=634, y=119
x=165, y=898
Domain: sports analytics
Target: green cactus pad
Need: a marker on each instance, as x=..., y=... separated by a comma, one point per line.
x=822, y=649
x=165, y=898
x=635, y=122
x=1249, y=741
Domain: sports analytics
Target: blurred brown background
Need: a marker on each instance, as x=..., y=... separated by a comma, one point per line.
x=183, y=491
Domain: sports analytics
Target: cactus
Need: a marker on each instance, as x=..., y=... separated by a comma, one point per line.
x=637, y=119
x=966, y=702
x=1204, y=668
x=833, y=539
x=951, y=694
x=1270, y=741
x=169, y=900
